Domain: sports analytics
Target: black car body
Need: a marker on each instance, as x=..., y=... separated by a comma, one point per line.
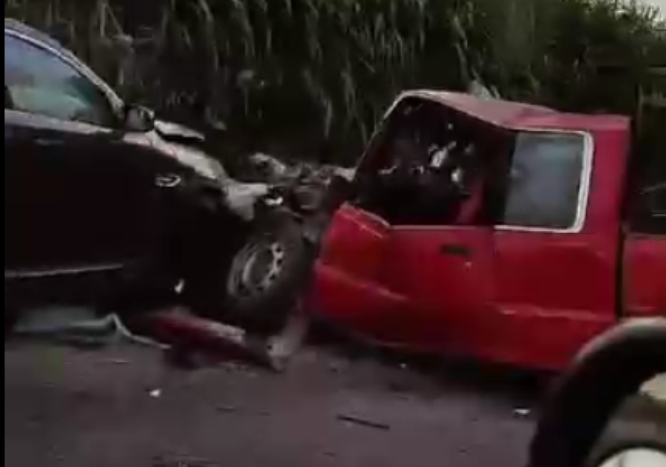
x=95, y=187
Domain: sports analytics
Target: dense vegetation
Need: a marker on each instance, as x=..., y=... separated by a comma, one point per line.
x=314, y=75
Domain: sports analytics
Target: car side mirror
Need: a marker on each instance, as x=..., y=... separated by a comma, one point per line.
x=139, y=119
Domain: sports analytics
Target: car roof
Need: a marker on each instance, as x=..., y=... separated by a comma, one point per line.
x=514, y=115
x=18, y=27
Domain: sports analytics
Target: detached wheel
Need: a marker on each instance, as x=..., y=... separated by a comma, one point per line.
x=266, y=278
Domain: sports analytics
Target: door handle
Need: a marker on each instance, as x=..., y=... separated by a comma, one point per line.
x=456, y=250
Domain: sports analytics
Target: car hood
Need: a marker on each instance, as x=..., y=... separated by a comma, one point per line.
x=240, y=197
x=176, y=131
x=198, y=161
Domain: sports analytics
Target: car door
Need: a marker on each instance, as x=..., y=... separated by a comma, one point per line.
x=72, y=196
x=45, y=216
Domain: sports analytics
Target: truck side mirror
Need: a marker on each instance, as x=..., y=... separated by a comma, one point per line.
x=138, y=119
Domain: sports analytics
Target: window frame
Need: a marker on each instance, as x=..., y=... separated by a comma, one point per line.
x=115, y=102
x=583, y=190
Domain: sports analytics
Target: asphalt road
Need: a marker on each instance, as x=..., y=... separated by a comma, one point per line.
x=123, y=406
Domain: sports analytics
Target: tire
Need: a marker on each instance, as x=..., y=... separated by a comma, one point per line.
x=627, y=435
x=261, y=310
x=265, y=307
x=609, y=369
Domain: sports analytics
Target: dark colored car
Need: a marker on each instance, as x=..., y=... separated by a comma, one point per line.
x=103, y=201
x=580, y=426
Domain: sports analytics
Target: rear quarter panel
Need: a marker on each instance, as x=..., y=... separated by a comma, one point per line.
x=645, y=275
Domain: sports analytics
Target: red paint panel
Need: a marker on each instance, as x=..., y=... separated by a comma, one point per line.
x=348, y=289
x=356, y=242
x=645, y=276
x=557, y=290
x=359, y=305
x=448, y=273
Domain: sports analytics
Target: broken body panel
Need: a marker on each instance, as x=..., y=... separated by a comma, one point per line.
x=518, y=294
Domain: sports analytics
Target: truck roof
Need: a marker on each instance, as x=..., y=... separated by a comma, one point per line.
x=515, y=115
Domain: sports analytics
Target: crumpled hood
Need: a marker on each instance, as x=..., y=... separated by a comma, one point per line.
x=240, y=197
x=197, y=160
x=175, y=130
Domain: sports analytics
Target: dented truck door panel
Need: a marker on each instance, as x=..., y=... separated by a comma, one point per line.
x=347, y=285
x=428, y=288
x=425, y=286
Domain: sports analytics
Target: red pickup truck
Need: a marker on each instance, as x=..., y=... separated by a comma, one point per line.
x=498, y=230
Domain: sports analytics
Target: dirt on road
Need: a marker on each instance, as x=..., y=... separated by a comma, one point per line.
x=123, y=406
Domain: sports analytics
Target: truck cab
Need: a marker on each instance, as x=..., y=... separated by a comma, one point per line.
x=498, y=230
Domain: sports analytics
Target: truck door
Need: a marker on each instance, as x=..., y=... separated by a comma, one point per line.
x=393, y=266
x=448, y=273
x=348, y=288
x=557, y=244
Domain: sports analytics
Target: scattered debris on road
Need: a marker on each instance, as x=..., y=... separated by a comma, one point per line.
x=160, y=461
x=364, y=422
x=522, y=412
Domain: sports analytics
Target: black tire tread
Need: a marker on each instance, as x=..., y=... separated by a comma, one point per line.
x=268, y=312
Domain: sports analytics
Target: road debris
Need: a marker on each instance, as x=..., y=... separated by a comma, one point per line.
x=364, y=422
x=117, y=361
x=160, y=461
x=522, y=412
x=191, y=335
x=226, y=408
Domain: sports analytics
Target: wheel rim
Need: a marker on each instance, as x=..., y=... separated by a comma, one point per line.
x=636, y=457
x=256, y=268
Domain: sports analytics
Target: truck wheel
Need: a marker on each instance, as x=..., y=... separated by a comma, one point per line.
x=265, y=279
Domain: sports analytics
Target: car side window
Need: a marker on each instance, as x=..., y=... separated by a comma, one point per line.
x=545, y=181
x=39, y=82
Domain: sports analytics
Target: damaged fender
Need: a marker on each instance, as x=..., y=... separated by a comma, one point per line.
x=241, y=198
